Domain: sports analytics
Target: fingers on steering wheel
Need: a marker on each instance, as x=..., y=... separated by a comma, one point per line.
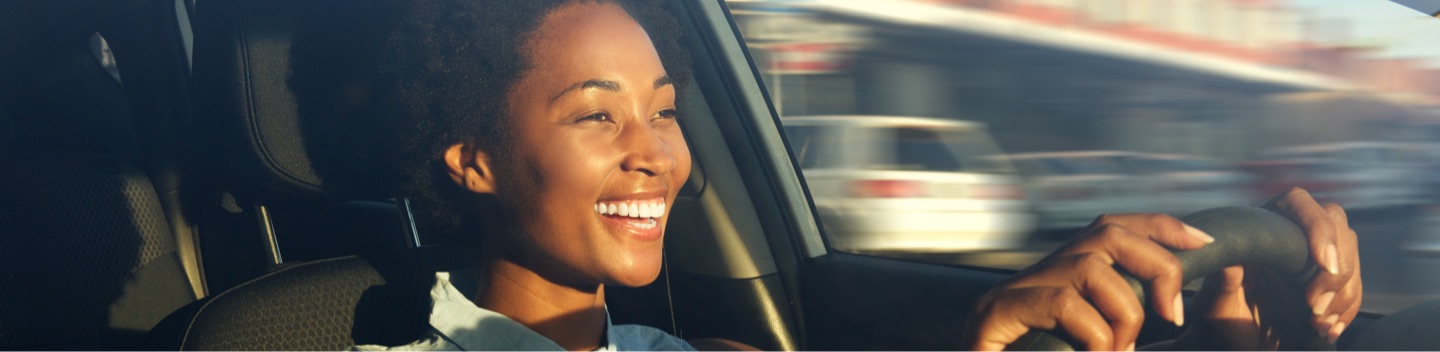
x=1112, y=296
x=1320, y=227
x=1335, y=298
x=1142, y=257
x=1223, y=286
x=1160, y=228
x=1069, y=311
x=1331, y=325
x=1346, y=317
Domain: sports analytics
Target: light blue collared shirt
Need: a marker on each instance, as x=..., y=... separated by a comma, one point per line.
x=457, y=324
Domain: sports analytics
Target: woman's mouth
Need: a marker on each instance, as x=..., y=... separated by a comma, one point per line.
x=640, y=214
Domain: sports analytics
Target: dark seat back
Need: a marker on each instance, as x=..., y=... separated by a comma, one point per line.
x=87, y=251
x=269, y=156
x=90, y=260
x=319, y=305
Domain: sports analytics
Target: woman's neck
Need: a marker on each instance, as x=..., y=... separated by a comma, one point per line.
x=573, y=318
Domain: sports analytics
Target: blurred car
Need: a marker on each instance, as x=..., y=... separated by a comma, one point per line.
x=905, y=184
x=1069, y=189
x=1186, y=183
x=1367, y=174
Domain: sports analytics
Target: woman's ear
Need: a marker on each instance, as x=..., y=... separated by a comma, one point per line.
x=470, y=168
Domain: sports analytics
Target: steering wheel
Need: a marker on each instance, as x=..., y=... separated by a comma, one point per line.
x=1243, y=235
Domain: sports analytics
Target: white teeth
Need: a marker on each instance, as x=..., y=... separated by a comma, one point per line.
x=634, y=210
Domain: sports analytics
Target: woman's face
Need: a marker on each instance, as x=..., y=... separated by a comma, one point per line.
x=597, y=155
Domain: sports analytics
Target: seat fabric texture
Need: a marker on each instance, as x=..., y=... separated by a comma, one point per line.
x=319, y=305
x=90, y=261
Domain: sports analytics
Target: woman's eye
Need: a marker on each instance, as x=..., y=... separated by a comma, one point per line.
x=668, y=114
x=597, y=117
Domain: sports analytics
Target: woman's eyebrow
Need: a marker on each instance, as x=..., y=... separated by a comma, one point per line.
x=606, y=85
x=594, y=83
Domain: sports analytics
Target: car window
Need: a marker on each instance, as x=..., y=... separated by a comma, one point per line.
x=936, y=149
x=1109, y=106
x=815, y=147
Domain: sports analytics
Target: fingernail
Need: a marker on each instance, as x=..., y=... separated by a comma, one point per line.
x=1332, y=261
x=1336, y=330
x=1325, y=324
x=1197, y=234
x=1322, y=302
x=1131, y=347
x=1179, y=311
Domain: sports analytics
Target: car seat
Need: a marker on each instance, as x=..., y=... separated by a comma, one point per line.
x=90, y=260
x=265, y=165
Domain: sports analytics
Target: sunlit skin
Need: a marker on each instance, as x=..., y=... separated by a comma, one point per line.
x=1078, y=290
x=593, y=121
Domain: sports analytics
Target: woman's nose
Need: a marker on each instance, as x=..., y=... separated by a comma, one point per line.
x=644, y=150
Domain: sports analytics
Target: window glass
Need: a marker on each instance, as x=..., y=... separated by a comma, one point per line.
x=814, y=147
x=1091, y=165
x=1056, y=111
x=937, y=149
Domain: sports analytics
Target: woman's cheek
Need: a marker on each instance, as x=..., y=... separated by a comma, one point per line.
x=586, y=154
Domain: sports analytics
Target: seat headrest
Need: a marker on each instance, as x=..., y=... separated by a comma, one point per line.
x=275, y=81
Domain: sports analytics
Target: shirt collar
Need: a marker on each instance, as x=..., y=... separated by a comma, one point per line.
x=472, y=328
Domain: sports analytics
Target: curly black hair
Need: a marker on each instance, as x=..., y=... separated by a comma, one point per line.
x=439, y=77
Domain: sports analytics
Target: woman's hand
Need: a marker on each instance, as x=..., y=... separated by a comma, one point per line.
x=1251, y=308
x=1078, y=290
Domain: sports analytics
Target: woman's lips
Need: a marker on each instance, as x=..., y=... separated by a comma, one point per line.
x=639, y=218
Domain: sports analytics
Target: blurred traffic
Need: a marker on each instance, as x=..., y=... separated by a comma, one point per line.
x=985, y=132
x=887, y=184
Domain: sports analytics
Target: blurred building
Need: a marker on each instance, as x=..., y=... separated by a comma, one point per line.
x=1209, y=77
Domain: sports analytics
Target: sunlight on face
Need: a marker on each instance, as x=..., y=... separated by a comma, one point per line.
x=600, y=156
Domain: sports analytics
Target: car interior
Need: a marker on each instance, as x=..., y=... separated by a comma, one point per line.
x=191, y=201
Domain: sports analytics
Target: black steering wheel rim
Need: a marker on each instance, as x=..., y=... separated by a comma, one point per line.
x=1243, y=235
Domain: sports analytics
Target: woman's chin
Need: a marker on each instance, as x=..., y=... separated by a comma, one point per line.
x=636, y=276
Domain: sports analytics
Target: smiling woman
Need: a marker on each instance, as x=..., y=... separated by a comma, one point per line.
x=545, y=135
x=593, y=122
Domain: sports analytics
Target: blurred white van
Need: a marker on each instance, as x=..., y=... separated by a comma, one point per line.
x=905, y=184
